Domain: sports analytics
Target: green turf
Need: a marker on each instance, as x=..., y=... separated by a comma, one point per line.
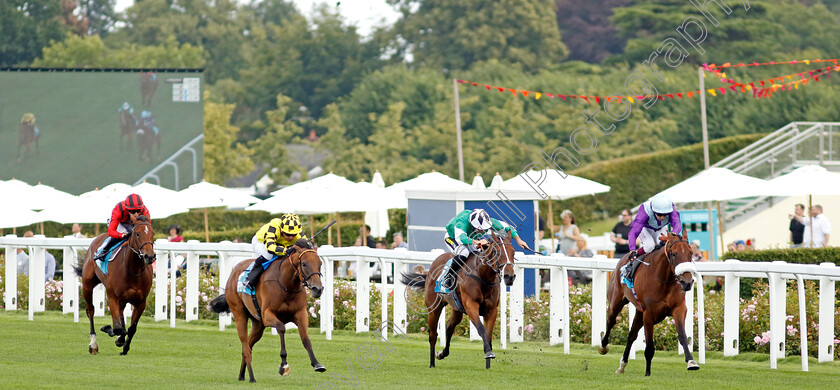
x=52, y=351
x=77, y=114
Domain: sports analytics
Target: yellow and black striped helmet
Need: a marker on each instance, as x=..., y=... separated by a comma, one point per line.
x=290, y=224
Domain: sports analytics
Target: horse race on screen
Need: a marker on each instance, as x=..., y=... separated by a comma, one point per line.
x=128, y=123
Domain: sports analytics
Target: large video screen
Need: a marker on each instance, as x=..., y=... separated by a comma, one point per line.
x=81, y=130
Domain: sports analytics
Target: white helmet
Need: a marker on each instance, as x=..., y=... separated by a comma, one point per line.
x=661, y=204
x=480, y=220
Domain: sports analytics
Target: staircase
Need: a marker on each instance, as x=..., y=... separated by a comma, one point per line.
x=792, y=146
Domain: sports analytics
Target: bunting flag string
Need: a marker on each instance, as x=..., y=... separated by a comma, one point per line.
x=759, y=88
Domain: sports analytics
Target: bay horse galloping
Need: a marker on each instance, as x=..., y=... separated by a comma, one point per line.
x=129, y=280
x=148, y=86
x=478, y=289
x=281, y=294
x=661, y=283
x=128, y=124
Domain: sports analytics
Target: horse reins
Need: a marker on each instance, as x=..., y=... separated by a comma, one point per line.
x=497, y=270
x=668, y=254
x=299, y=271
x=137, y=251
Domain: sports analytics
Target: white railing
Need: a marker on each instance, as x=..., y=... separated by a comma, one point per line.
x=228, y=254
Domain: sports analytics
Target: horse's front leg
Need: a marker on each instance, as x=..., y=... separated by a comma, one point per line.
x=471, y=307
x=631, y=338
x=116, y=308
x=301, y=319
x=434, y=317
x=270, y=319
x=616, y=304
x=679, y=314
x=649, y=350
x=135, y=319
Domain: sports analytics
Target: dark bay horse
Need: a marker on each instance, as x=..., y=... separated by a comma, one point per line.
x=281, y=293
x=478, y=290
x=148, y=86
x=146, y=139
x=129, y=280
x=28, y=134
x=660, y=288
x=128, y=124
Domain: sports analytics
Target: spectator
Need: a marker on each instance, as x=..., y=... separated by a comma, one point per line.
x=619, y=234
x=568, y=234
x=419, y=269
x=740, y=245
x=797, y=229
x=23, y=261
x=821, y=228
x=364, y=235
x=695, y=251
x=582, y=249
x=381, y=244
x=175, y=233
x=731, y=247
x=77, y=231
x=398, y=241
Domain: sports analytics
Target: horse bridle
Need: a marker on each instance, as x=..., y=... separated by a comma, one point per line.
x=668, y=254
x=137, y=251
x=299, y=271
x=500, y=269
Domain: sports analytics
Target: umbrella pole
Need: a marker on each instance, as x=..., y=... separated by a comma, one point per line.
x=311, y=225
x=338, y=226
x=329, y=232
x=811, y=218
x=720, y=230
x=364, y=231
x=206, y=227
x=551, y=224
x=97, y=228
x=42, y=228
x=14, y=230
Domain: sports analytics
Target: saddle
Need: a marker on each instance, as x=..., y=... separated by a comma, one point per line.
x=103, y=264
x=249, y=295
x=634, y=265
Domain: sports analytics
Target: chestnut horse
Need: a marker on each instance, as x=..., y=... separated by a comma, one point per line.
x=660, y=283
x=128, y=124
x=478, y=289
x=148, y=86
x=146, y=139
x=129, y=280
x=282, y=299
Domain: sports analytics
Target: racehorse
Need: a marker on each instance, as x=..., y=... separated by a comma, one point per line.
x=660, y=283
x=128, y=124
x=478, y=290
x=148, y=86
x=281, y=294
x=146, y=139
x=28, y=133
x=129, y=280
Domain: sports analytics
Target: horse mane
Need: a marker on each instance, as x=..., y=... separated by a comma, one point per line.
x=142, y=218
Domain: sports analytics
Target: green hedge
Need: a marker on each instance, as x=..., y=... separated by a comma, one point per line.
x=798, y=255
x=637, y=178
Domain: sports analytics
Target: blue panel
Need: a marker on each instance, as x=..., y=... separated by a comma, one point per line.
x=695, y=223
x=520, y=214
x=427, y=212
x=425, y=240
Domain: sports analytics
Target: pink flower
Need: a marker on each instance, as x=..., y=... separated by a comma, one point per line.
x=757, y=340
x=178, y=300
x=423, y=329
x=529, y=328
x=353, y=307
x=317, y=301
x=791, y=331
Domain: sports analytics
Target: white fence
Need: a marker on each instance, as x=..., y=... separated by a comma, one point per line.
x=512, y=307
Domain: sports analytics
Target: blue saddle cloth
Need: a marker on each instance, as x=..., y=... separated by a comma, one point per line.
x=103, y=264
x=240, y=283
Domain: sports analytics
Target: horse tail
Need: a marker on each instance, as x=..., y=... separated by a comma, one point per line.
x=78, y=266
x=219, y=305
x=414, y=279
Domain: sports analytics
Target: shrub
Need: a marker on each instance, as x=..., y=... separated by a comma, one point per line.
x=797, y=255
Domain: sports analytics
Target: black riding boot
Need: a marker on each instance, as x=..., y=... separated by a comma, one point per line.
x=106, y=247
x=256, y=271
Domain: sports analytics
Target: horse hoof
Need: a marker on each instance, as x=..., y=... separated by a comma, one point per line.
x=489, y=355
x=440, y=355
x=123, y=353
x=93, y=351
x=319, y=367
x=693, y=366
x=603, y=350
x=284, y=370
x=487, y=364
x=619, y=371
x=253, y=381
x=107, y=329
x=119, y=343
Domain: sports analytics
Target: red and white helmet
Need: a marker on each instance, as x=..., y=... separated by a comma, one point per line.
x=480, y=220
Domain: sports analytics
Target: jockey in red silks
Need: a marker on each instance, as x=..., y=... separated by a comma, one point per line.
x=118, y=224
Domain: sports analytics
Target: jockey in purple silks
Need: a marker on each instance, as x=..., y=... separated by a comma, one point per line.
x=651, y=222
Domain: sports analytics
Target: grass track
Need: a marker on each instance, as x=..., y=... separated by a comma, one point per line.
x=52, y=352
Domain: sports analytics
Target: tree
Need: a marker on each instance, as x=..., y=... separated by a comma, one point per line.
x=451, y=35
x=100, y=16
x=223, y=159
x=587, y=30
x=26, y=27
x=91, y=52
x=269, y=151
